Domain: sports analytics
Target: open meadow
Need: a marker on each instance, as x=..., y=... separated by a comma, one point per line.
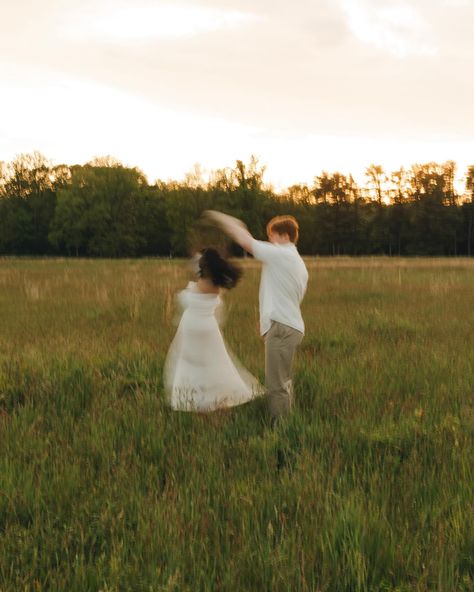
x=367, y=487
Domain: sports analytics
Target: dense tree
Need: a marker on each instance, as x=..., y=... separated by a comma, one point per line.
x=469, y=210
x=152, y=222
x=434, y=215
x=106, y=209
x=97, y=211
x=28, y=204
x=336, y=196
x=398, y=212
x=377, y=197
x=377, y=178
x=184, y=206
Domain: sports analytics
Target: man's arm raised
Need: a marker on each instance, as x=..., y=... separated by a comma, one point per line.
x=233, y=227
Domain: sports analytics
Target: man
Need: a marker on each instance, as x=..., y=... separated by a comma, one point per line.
x=282, y=287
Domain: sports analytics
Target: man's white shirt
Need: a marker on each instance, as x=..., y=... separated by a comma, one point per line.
x=282, y=285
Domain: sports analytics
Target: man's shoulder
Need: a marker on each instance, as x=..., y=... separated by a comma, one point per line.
x=264, y=250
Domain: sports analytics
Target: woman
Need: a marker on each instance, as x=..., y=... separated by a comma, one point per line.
x=199, y=372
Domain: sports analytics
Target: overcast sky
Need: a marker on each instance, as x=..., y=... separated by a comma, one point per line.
x=304, y=85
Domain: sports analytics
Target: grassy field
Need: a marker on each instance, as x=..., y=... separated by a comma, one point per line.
x=367, y=487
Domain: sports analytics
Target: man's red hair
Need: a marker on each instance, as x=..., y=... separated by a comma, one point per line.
x=284, y=225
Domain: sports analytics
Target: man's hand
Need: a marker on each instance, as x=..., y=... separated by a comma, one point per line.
x=222, y=219
x=233, y=227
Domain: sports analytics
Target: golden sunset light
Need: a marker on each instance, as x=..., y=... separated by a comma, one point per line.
x=236, y=295
x=162, y=86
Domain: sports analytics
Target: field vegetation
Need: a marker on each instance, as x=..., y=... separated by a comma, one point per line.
x=367, y=487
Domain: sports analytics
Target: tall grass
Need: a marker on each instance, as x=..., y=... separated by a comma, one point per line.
x=367, y=487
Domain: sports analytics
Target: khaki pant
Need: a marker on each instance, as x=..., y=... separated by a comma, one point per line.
x=281, y=342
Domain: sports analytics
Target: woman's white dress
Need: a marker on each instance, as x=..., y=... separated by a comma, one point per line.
x=199, y=372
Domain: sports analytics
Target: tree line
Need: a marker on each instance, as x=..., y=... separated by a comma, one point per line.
x=105, y=209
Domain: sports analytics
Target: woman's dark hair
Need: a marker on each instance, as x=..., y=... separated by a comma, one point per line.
x=221, y=272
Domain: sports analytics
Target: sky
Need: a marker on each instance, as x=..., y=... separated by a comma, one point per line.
x=306, y=86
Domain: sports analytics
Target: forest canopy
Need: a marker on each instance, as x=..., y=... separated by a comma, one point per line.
x=106, y=209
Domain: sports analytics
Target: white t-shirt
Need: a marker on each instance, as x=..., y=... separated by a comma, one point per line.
x=282, y=286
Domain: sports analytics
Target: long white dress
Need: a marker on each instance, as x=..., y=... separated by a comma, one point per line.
x=200, y=374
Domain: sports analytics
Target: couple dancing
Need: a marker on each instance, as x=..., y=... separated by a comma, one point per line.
x=199, y=372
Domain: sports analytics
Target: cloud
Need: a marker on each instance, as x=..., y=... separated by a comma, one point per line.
x=146, y=21
x=455, y=3
x=396, y=28
x=73, y=120
x=286, y=71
